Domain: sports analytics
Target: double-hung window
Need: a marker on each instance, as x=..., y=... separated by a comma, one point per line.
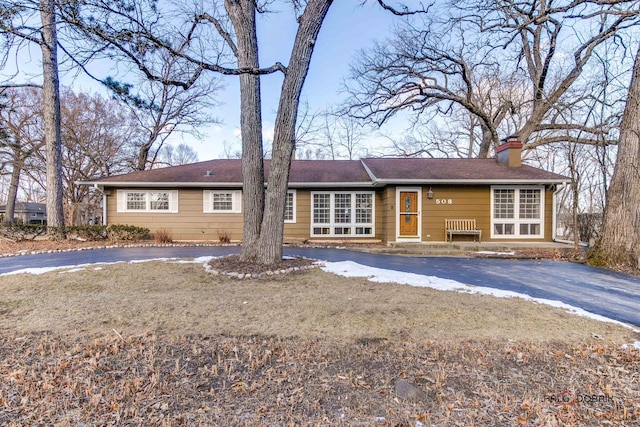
x=340, y=214
x=222, y=201
x=160, y=201
x=517, y=212
x=290, y=207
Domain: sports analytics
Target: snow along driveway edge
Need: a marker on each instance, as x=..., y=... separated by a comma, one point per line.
x=379, y=275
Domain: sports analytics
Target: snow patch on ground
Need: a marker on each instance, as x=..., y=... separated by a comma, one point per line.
x=81, y=267
x=78, y=267
x=140, y=261
x=199, y=260
x=511, y=253
x=73, y=270
x=352, y=269
x=37, y=271
x=634, y=345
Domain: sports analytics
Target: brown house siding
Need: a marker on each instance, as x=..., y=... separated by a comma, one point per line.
x=389, y=214
x=467, y=202
x=189, y=223
x=300, y=230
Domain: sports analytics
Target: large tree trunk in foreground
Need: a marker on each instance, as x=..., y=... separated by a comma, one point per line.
x=10, y=209
x=243, y=17
x=271, y=236
x=51, y=103
x=619, y=245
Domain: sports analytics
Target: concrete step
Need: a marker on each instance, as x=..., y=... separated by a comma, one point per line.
x=429, y=245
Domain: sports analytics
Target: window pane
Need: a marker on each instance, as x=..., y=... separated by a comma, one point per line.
x=136, y=201
x=364, y=230
x=159, y=201
x=503, y=203
x=342, y=230
x=342, y=208
x=321, y=209
x=222, y=201
x=288, y=207
x=498, y=229
x=529, y=229
x=503, y=229
x=364, y=208
x=530, y=204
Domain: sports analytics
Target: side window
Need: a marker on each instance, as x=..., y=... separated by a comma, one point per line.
x=222, y=201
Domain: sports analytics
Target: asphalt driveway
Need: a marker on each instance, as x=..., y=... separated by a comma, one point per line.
x=614, y=295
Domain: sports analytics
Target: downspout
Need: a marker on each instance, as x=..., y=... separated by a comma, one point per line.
x=554, y=228
x=104, y=203
x=104, y=209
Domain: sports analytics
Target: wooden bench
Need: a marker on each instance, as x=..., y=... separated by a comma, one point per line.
x=461, y=226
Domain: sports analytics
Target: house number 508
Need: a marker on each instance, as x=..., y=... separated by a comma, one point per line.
x=444, y=201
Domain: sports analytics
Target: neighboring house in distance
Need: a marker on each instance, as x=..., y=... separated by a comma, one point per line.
x=372, y=199
x=27, y=213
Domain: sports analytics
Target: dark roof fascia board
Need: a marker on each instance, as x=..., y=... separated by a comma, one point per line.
x=112, y=184
x=330, y=184
x=530, y=181
x=219, y=184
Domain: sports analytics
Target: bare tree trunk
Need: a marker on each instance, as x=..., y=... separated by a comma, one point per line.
x=271, y=237
x=12, y=193
x=51, y=104
x=619, y=245
x=489, y=138
x=143, y=156
x=575, y=193
x=243, y=17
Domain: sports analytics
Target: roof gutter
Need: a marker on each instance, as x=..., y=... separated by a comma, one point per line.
x=366, y=184
x=472, y=181
x=103, y=184
x=554, y=213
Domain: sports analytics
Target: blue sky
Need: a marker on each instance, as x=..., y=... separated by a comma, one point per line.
x=349, y=26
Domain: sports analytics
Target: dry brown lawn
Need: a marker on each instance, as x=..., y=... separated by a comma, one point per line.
x=179, y=299
x=168, y=344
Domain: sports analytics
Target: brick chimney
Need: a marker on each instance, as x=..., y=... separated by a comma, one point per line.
x=509, y=153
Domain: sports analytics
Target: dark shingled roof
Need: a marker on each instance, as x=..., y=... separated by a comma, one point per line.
x=398, y=169
x=27, y=207
x=330, y=172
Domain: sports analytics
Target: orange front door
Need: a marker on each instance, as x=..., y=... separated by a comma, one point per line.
x=409, y=214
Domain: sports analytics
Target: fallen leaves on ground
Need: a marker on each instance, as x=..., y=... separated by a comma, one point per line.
x=193, y=380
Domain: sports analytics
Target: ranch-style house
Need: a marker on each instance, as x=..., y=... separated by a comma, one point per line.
x=372, y=199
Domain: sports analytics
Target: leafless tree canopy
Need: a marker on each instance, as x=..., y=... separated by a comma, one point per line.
x=96, y=134
x=512, y=67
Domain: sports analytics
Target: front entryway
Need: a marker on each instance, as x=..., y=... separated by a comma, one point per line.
x=408, y=220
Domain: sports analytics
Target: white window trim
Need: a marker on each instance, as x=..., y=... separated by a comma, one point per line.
x=353, y=225
x=207, y=201
x=122, y=201
x=292, y=221
x=518, y=221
